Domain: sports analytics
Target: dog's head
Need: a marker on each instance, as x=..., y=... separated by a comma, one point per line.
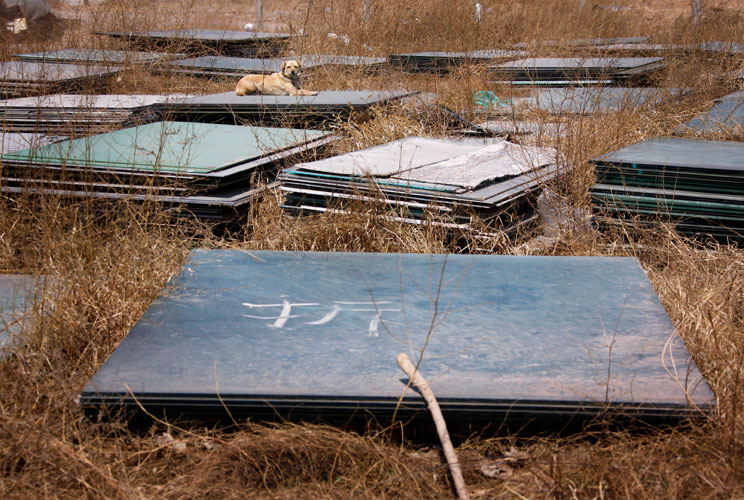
x=291, y=69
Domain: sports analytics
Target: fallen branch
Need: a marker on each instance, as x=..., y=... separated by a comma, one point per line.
x=449, y=451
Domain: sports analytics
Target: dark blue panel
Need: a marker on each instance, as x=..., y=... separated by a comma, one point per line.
x=292, y=329
x=681, y=153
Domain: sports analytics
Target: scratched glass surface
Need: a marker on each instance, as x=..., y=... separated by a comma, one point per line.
x=331, y=324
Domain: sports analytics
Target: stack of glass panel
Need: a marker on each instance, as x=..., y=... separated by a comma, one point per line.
x=658, y=49
x=443, y=62
x=317, y=62
x=237, y=67
x=589, y=43
x=590, y=100
x=557, y=71
x=79, y=114
x=452, y=180
x=24, y=78
x=503, y=339
x=325, y=108
x=725, y=48
x=204, y=169
x=597, y=42
x=13, y=141
x=643, y=49
x=106, y=58
x=696, y=184
x=207, y=42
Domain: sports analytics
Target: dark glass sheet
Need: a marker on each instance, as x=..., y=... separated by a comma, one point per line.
x=97, y=56
x=556, y=71
x=596, y=99
x=202, y=34
x=676, y=202
x=31, y=71
x=697, y=184
x=722, y=47
x=649, y=49
x=685, y=153
x=203, y=42
x=319, y=111
x=487, y=54
x=218, y=206
x=243, y=65
x=85, y=101
x=313, y=60
x=574, y=63
x=284, y=331
x=22, y=78
x=603, y=41
x=228, y=64
x=326, y=98
x=586, y=42
x=80, y=114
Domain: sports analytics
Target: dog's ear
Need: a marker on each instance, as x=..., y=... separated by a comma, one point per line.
x=284, y=65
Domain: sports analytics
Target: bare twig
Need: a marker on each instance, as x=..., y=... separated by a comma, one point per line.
x=449, y=451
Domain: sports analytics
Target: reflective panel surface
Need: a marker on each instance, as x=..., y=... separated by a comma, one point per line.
x=287, y=331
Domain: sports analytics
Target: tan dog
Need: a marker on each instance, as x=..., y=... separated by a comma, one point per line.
x=286, y=82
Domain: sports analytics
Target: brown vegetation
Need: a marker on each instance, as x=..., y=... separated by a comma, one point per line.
x=109, y=265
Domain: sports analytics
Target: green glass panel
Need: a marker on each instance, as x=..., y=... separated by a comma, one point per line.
x=172, y=147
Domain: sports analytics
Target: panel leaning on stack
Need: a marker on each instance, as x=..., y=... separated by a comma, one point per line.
x=450, y=180
x=202, y=170
x=206, y=42
x=442, y=62
x=697, y=185
x=325, y=108
x=78, y=114
x=561, y=71
x=24, y=78
x=237, y=67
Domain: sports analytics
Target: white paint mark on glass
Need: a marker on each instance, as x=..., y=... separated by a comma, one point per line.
x=374, y=326
x=328, y=317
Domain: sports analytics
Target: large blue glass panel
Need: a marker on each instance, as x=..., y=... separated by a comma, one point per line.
x=318, y=333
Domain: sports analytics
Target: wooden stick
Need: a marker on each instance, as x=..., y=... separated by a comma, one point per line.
x=449, y=451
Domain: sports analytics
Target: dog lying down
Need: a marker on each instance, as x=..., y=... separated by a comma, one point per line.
x=286, y=82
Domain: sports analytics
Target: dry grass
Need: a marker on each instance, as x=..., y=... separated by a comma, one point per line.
x=109, y=263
